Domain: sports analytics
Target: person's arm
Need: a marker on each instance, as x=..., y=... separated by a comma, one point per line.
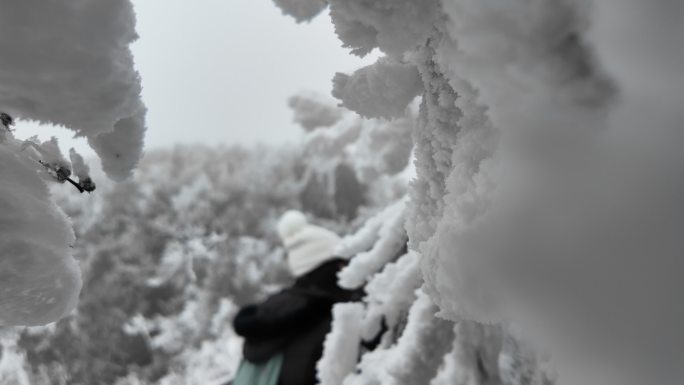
x=282, y=312
x=245, y=320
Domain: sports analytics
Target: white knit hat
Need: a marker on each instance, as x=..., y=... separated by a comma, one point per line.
x=307, y=246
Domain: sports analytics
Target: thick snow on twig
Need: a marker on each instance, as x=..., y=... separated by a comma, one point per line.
x=381, y=90
x=392, y=291
x=312, y=111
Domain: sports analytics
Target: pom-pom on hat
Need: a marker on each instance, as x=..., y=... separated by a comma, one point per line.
x=308, y=246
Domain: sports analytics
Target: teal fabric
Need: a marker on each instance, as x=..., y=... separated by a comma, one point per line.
x=261, y=374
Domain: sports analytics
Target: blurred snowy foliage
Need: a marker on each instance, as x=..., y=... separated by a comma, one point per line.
x=168, y=255
x=187, y=239
x=381, y=90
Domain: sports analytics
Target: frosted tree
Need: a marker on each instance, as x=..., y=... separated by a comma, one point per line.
x=546, y=195
x=381, y=90
x=416, y=346
x=69, y=64
x=350, y=162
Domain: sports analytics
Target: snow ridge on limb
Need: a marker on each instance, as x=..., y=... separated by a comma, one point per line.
x=40, y=280
x=341, y=347
x=388, y=229
x=391, y=292
x=546, y=155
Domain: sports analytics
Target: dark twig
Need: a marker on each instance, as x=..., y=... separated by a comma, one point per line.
x=63, y=177
x=6, y=120
x=78, y=186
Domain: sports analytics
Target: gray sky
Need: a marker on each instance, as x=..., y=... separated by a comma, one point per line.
x=220, y=71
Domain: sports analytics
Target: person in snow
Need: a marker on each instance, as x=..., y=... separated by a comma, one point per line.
x=284, y=335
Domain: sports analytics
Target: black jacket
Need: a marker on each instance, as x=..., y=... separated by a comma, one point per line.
x=295, y=322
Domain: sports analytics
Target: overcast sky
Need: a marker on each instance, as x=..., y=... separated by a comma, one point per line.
x=220, y=71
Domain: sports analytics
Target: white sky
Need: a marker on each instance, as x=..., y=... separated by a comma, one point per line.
x=220, y=71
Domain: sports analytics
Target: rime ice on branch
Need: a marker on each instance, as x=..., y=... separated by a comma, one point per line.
x=548, y=151
x=69, y=64
x=302, y=10
x=381, y=90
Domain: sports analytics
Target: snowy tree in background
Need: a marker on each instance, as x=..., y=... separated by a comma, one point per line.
x=64, y=63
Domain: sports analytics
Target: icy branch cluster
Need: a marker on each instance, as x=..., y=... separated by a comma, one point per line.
x=392, y=26
x=547, y=194
x=414, y=345
x=68, y=64
x=352, y=158
x=387, y=237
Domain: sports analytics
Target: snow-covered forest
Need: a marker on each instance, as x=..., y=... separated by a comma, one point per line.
x=505, y=178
